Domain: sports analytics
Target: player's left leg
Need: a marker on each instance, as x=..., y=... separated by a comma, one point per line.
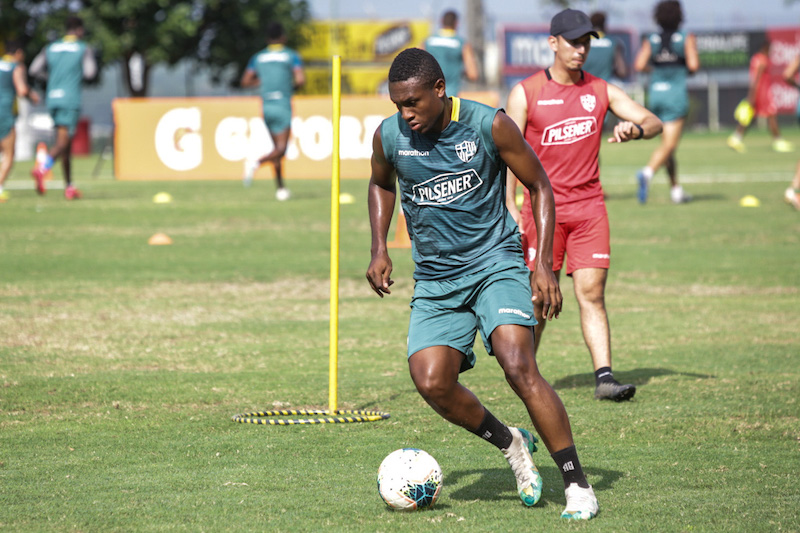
x=281, y=141
x=590, y=286
x=6, y=160
x=512, y=345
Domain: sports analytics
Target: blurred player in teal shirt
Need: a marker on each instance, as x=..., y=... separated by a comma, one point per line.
x=606, y=58
x=453, y=54
x=65, y=63
x=13, y=83
x=278, y=71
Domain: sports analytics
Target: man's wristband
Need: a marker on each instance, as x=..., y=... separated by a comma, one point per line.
x=641, y=132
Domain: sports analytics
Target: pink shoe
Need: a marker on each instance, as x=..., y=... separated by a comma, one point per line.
x=71, y=193
x=38, y=175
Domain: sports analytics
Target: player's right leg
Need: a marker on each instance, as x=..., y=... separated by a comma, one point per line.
x=434, y=371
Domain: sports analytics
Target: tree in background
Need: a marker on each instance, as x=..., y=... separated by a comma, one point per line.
x=140, y=34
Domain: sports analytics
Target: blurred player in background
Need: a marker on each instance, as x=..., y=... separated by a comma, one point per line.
x=453, y=53
x=560, y=110
x=449, y=156
x=759, y=95
x=278, y=70
x=65, y=64
x=607, y=56
x=13, y=84
x=670, y=56
x=792, y=194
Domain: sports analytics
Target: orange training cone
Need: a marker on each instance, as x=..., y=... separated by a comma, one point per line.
x=41, y=157
x=401, y=239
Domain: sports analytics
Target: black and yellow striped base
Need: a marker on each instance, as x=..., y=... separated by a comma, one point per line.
x=339, y=416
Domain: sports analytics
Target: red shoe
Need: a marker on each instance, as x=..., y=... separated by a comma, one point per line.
x=71, y=193
x=38, y=174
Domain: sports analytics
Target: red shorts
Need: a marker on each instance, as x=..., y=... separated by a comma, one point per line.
x=764, y=105
x=587, y=244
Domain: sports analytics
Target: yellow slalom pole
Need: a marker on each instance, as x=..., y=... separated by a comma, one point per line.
x=333, y=371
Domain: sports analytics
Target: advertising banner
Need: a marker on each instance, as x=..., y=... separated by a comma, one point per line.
x=727, y=49
x=526, y=50
x=360, y=40
x=784, y=47
x=211, y=138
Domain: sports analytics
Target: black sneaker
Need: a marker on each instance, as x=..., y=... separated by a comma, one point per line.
x=611, y=390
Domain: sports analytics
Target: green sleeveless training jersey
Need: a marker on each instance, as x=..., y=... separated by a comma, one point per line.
x=65, y=72
x=274, y=67
x=453, y=188
x=8, y=93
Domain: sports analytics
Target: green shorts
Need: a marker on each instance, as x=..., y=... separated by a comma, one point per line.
x=278, y=115
x=668, y=106
x=450, y=313
x=6, y=125
x=65, y=116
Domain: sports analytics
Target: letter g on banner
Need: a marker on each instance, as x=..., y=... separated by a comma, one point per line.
x=178, y=142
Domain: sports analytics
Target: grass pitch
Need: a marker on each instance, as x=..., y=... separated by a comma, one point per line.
x=122, y=363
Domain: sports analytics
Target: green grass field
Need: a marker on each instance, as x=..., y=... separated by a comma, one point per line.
x=121, y=364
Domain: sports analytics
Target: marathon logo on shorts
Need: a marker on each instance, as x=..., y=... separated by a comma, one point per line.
x=446, y=188
x=588, y=101
x=569, y=131
x=509, y=310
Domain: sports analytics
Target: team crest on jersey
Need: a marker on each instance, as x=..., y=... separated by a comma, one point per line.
x=466, y=151
x=588, y=101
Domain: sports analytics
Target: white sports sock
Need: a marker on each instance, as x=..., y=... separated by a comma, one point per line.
x=647, y=172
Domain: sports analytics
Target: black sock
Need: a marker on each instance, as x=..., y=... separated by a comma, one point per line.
x=570, y=467
x=494, y=431
x=604, y=375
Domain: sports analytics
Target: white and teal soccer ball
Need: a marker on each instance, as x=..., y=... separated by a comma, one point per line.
x=409, y=479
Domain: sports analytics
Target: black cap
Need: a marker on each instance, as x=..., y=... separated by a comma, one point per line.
x=572, y=24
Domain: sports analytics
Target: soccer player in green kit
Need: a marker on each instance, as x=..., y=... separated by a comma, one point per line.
x=454, y=55
x=449, y=157
x=65, y=63
x=278, y=71
x=13, y=83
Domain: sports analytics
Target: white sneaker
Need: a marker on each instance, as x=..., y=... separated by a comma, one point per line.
x=282, y=194
x=518, y=455
x=250, y=167
x=792, y=197
x=678, y=196
x=581, y=503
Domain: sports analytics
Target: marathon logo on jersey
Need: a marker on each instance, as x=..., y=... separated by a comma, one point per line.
x=569, y=131
x=588, y=101
x=466, y=151
x=446, y=188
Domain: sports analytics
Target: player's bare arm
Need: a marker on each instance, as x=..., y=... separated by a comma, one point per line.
x=642, y=61
x=381, y=198
x=790, y=74
x=470, y=63
x=692, y=56
x=299, y=78
x=524, y=163
x=249, y=78
x=637, y=121
x=517, y=110
x=20, y=80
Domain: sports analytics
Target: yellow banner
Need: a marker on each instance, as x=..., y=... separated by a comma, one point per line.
x=355, y=80
x=211, y=138
x=361, y=41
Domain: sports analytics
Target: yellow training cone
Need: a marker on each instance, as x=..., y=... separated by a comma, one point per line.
x=159, y=239
x=749, y=201
x=162, y=198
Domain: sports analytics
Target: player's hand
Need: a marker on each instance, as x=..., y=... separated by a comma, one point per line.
x=379, y=274
x=547, y=292
x=624, y=132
